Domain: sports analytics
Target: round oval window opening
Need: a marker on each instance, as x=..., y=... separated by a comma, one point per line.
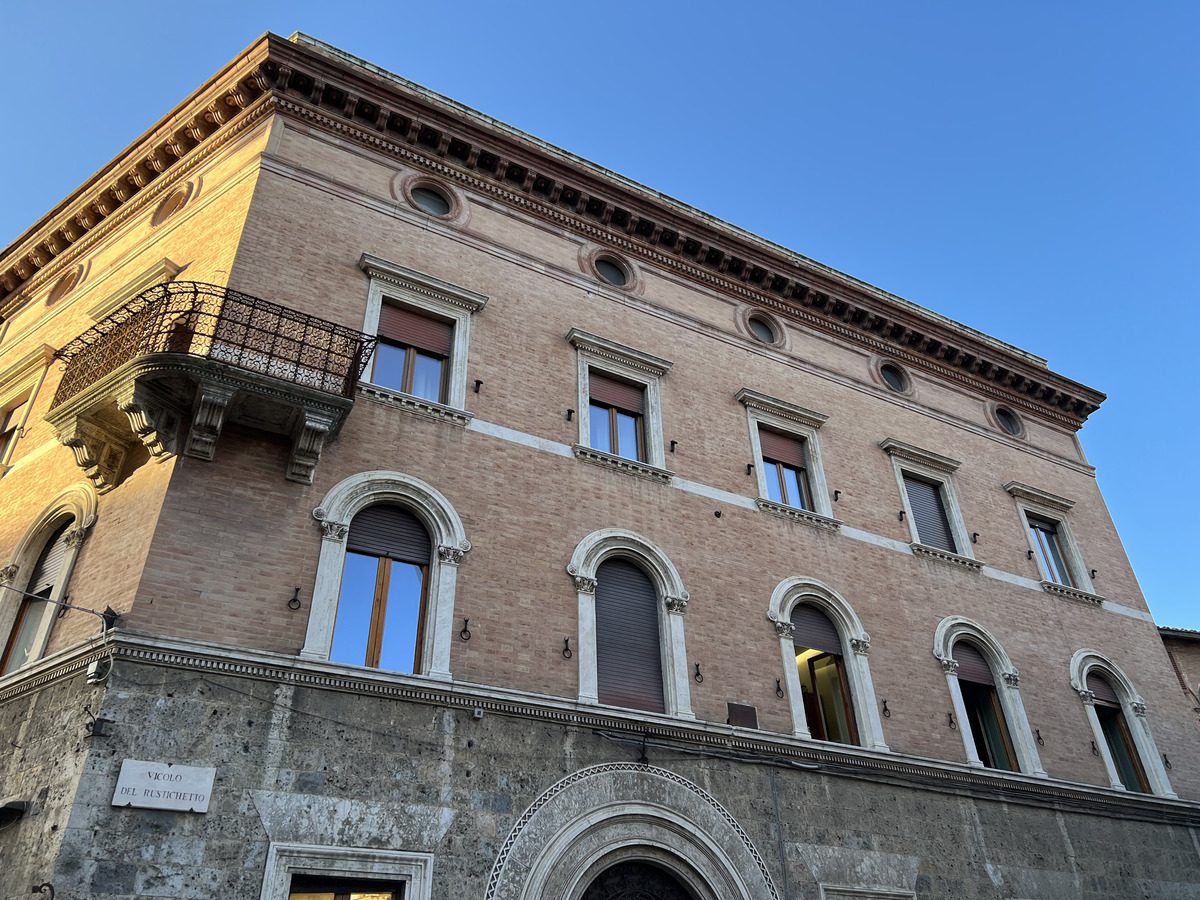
x=611, y=272
x=1008, y=421
x=894, y=377
x=431, y=201
x=762, y=330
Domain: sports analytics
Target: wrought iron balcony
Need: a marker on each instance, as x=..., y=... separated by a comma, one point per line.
x=216, y=354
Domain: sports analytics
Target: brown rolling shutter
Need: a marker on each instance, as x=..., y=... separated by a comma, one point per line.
x=814, y=630
x=971, y=665
x=631, y=398
x=925, y=500
x=407, y=327
x=49, y=564
x=389, y=531
x=628, y=659
x=1101, y=688
x=781, y=448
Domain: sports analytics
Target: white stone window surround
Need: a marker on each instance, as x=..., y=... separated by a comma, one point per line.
x=1134, y=710
x=855, y=645
x=628, y=364
x=939, y=469
x=802, y=424
x=449, y=539
x=438, y=299
x=284, y=860
x=949, y=631
x=608, y=543
x=1051, y=507
x=21, y=383
x=76, y=504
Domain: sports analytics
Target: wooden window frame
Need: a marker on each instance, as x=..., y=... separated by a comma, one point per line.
x=817, y=723
x=614, y=430
x=383, y=575
x=1118, y=715
x=408, y=373
x=986, y=693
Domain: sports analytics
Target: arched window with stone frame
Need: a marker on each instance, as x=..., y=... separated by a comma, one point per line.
x=840, y=693
x=985, y=693
x=618, y=573
x=1120, y=730
x=34, y=582
x=405, y=503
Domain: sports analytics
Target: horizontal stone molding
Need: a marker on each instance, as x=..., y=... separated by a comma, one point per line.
x=804, y=516
x=1061, y=590
x=946, y=556
x=1040, y=497
x=416, y=405
x=621, y=464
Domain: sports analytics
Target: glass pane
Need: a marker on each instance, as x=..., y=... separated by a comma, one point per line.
x=389, y=366
x=400, y=623
x=797, y=493
x=353, y=623
x=23, y=649
x=1061, y=573
x=762, y=331
x=611, y=272
x=427, y=377
x=987, y=724
x=774, y=488
x=627, y=435
x=1118, y=746
x=598, y=417
x=828, y=684
x=431, y=201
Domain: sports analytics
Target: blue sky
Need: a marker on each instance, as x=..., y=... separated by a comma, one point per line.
x=1029, y=169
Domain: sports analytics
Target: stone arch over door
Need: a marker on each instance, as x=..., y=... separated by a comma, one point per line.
x=614, y=813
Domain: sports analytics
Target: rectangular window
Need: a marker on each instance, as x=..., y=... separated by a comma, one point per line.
x=1049, y=551
x=785, y=467
x=929, y=513
x=311, y=887
x=616, y=416
x=10, y=427
x=413, y=354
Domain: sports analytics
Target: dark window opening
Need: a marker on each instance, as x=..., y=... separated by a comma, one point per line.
x=1116, y=734
x=413, y=355
x=929, y=513
x=823, y=682
x=628, y=650
x=785, y=467
x=1049, y=551
x=984, y=713
x=616, y=417
x=313, y=887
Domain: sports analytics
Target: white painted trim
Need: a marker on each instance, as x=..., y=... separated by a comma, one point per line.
x=414, y=869
x=1007, y=679
x=673, y=599
x=449, y=540
x=1082, y=662
x=855, y=643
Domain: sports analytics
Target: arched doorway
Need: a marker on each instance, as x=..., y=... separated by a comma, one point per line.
x=635, y=880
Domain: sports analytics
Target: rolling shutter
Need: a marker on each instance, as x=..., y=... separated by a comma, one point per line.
x=602, y=389
x=814, y=631
x=925, y=500
x=971, y=665
x=628, y=659
x=49, y=564
x=412, y=329
x=1101, y=688
x=781, y=448
x=389, y=531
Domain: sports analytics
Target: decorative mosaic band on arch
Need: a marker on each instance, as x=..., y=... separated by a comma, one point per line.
x=576, y=779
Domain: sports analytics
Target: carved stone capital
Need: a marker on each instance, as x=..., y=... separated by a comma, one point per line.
x=861, y=645
x=784, y=629
x=450, y=556
x=334, y=531
x=949, y=666
x=1139, y=709
x=1087, y=697
x=1012, y=679
x=584, y=585
x=677, y=605
x=8, y=573
x=75, y=537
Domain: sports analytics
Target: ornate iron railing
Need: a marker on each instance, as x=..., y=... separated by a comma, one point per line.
x=211, y=322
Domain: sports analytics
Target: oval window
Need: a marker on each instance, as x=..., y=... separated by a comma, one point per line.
x=1008, y=421
x=762, y=330
x=433, y=202
x=895, y=379
x=171, y=204
x=611, y=272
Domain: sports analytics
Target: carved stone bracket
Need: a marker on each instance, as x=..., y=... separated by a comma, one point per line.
x=584, y=585
x=677, y=605
x=335, y=531
x=8, y=574
x=99, y=451
x=1012, y=679
x=153, y=418
x=1139, y=709
x=1087, y=697
x=212, y=402
x=949, y=666
x=862, y=645
x=784, y=629
x=75, y=538
x=307, y=442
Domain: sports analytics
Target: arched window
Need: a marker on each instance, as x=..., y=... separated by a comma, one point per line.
x=390, y=549
x=385, y=580
x=985, y=693
x=824, y=650
x=631, y=604
x=1119, y=727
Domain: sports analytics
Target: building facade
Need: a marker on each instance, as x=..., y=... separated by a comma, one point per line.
x=395, y=505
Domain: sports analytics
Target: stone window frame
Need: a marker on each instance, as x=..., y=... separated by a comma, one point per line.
x=845, y=892
x=21, y=383
x=626, y=364
x=940, y=470
x=437, y=299
x=77, y=504
x=802, y=424
x=414, y=869
x=856, y=643
x=1133, y=707
x=447, y=535
x=162, y=272
x=609, y=543
x=1045, y=505
x=1008, y=692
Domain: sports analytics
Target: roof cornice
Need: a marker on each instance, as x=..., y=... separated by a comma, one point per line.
x=328, y=88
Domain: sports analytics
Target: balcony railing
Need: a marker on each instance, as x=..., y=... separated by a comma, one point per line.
x=210, y=322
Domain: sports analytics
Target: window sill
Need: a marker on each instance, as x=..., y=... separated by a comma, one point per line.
x=621, y=464
x=946, y=556
x=1071, y=593
x=798, y=515
x=427, y=408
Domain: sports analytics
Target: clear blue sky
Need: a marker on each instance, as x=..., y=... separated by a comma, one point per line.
x=1027, y=168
